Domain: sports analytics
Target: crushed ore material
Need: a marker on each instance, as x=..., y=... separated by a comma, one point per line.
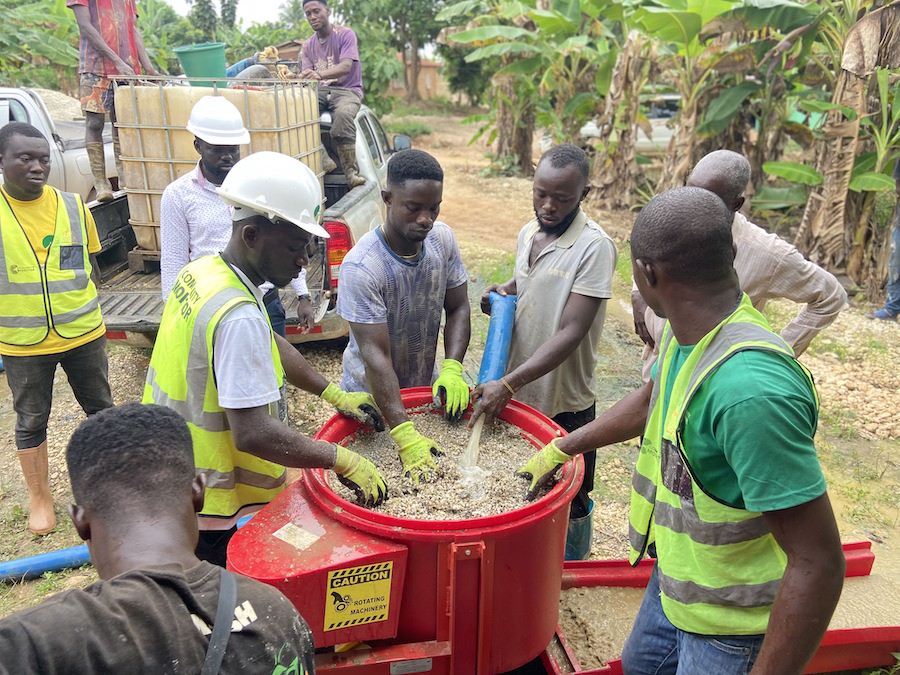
x=867, y=601
x=596, y=621
x=504, y=448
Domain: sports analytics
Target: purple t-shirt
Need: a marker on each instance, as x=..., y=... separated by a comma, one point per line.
x=339, y=45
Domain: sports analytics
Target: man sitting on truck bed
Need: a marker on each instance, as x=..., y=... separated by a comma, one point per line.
x=395, y=283
x=49, y=312
x=194, y=222
x=331, y=56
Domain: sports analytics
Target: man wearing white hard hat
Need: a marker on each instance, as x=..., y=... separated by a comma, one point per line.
x=218, y=363
x=194, y=222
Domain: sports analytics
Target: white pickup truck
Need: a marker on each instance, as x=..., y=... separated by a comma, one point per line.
x=131, y=300
x=70, y=169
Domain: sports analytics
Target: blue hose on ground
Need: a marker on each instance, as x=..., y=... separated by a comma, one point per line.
x=35, y=565
x=499, y=337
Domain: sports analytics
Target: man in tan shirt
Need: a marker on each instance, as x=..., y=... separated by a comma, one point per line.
x=766, y=265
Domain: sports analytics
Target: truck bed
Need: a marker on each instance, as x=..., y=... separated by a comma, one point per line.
x=132, y=307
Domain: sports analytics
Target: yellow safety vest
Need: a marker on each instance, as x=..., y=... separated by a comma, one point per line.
x=181, y=377
x=719, y=567
x=58, y=292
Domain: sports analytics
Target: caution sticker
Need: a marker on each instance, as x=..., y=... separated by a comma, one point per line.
x=358, y=595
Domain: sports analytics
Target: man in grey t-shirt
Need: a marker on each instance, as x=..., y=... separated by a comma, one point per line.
x=563, y=278
x=396, y=282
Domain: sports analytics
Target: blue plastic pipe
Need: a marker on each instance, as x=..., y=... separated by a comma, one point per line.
x=35, y=565
x=499, y=337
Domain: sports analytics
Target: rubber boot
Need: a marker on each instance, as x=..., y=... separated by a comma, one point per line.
x=41, y=518
x=347, y=154
x=328, y=164
x=120, y=165
x=578, y=535
x=98, y=168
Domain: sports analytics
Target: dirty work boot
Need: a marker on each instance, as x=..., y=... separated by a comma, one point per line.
x=347, y=154
x=578, y=535
x=98, y=168
x=41, y=518
x=120, y=165
x=328, y=164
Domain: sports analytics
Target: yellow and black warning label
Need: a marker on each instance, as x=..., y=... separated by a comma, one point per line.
x=358, y=595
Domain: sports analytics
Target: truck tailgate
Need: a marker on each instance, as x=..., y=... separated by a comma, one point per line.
x=132, y=302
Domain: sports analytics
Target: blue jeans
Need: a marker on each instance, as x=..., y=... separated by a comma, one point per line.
x=656, y=647
x=240, y=66
x=892, y=304
x=275, y=310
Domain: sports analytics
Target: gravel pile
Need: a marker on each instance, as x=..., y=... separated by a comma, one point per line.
x=503, y=450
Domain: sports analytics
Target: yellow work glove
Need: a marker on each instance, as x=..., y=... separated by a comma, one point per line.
x=356, y=404
x=416, y=452
x=361, y=476
x=455, y=396
x=541, y=468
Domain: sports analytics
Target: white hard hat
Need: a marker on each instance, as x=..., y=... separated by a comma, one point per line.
x=217, y=121
x=275, y=186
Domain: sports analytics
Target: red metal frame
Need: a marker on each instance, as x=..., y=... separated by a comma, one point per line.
x=841, y=649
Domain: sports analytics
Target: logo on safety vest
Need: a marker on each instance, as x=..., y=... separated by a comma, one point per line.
x=358, y=595
x=15, y=269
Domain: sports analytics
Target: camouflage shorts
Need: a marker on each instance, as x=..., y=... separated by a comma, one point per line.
x=97, y=93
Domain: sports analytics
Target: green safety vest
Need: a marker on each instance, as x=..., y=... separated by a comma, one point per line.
x=181, y=377
x=57, y=293
x=719, y=566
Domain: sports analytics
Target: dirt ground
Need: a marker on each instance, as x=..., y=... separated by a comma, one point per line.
x=854, y=363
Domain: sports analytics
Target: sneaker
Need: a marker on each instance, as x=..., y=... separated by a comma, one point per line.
x=882, y=314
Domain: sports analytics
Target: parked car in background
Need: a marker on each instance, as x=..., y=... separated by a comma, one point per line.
x=660, y=110
x=70, y=169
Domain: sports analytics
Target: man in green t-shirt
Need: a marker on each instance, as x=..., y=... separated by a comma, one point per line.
x=727, y=484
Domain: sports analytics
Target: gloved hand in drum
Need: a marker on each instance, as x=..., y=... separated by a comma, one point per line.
x=356, y=404
x=416, y=452
x=542, y=467
x=360, y=475
x=452, y=390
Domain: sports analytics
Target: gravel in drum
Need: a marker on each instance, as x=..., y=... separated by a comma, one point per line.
x=504, y=448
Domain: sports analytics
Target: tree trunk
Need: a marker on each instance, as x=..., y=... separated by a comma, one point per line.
x=680, y=155
x=515, y=125
x=837, y=230
x=412, y=82
x=822, y=234
x=615, y=171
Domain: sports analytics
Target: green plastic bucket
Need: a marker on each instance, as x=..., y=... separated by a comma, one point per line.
x=203, y=60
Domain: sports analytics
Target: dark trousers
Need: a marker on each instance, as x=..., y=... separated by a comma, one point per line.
x=30, y=379
x=275, y=309
x=213, y=545
x=343, y=104
x=570, y=421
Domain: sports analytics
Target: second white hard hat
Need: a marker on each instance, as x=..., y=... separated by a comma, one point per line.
x=275, y=186
x=217, y=121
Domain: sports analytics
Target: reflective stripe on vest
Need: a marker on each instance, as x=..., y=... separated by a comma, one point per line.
x=181, y=377
x=58, y=292
x=719, y=566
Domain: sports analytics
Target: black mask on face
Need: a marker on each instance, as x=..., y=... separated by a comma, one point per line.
x=561, y=226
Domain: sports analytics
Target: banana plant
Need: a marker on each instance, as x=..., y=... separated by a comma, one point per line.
x=556, y=58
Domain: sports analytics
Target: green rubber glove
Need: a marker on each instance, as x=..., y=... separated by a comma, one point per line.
x=361, y=476
x=416, y=452
x=541, y=468
x=455, y=398
x=356, y=404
